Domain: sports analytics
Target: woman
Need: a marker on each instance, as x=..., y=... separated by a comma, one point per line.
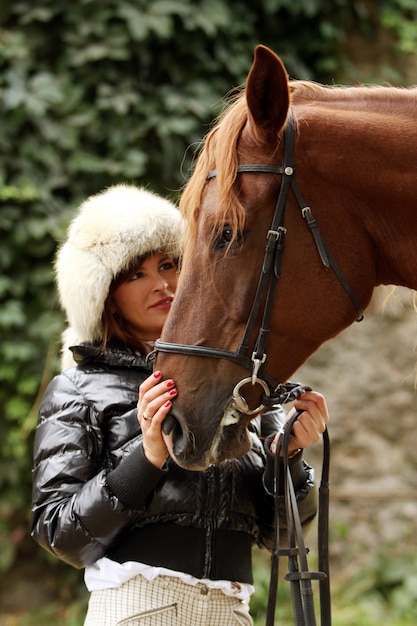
x=160, y=545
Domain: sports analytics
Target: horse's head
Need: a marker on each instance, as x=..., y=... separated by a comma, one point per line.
x=229, y=211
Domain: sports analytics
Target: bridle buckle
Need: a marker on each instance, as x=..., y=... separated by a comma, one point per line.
x=256, y=365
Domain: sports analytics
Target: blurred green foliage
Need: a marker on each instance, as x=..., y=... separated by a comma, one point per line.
x=94, y=93
x=399, y=17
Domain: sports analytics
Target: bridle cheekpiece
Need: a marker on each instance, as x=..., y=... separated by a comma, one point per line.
x=274, y=392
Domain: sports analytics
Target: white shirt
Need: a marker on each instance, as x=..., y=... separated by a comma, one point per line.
x=106, y=574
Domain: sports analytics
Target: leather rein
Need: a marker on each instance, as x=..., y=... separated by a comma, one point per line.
x=299, y=576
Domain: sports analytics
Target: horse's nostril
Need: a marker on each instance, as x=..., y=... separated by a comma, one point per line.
x=176, y=433
x=169, y=424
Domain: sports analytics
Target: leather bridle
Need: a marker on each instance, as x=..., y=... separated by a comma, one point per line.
x=279, y=393
x=270, y=273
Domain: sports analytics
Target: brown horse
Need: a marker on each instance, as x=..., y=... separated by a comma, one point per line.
x=355, y=163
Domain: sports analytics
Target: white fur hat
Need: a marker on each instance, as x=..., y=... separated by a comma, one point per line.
x=110, y=230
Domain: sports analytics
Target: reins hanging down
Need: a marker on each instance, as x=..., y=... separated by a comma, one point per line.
x=299, y=576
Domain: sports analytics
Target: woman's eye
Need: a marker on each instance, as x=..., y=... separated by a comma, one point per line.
x=170, y=265
x=136, y=276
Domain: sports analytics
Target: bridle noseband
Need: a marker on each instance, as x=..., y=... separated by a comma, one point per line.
x=271, y=269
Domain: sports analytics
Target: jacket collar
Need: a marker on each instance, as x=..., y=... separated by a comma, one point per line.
x=112, y=355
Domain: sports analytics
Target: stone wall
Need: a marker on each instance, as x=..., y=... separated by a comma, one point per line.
x=368, y=376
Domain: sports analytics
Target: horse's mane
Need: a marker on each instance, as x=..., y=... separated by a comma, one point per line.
x=219, y=147
x=357, y=96
x=218, y=150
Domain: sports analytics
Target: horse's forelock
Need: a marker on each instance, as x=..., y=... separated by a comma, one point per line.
x=219, y=151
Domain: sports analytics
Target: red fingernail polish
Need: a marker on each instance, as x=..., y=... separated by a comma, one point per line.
x=167, y=404
x=172, y=392
x=156, y=374
x=169, y=383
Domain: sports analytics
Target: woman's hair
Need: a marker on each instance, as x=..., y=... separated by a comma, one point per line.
x=115, y=327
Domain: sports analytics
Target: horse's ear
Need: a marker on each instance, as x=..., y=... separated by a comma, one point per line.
x=267, y=94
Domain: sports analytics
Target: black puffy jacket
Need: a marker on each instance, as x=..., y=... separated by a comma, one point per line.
x=95, y=494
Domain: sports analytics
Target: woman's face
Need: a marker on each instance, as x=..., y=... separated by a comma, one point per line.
x=144, y=298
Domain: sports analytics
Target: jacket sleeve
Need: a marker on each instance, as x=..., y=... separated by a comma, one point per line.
x=75, y=514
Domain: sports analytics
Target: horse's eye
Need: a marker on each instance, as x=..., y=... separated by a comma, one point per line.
x=226, y=237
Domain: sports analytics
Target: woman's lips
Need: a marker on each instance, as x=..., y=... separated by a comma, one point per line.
x=164, y=303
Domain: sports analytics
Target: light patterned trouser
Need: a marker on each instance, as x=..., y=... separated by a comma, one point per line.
x=165, y=601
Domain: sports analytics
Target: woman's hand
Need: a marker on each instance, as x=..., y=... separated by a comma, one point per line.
x=154, y=404
x=308, y=428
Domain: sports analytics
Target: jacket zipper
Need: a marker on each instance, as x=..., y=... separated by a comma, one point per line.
x=211, y=524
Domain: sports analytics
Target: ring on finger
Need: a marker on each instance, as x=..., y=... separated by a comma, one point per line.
x=147, y=418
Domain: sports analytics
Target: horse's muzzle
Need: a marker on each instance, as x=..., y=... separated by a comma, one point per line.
x=196, y=450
